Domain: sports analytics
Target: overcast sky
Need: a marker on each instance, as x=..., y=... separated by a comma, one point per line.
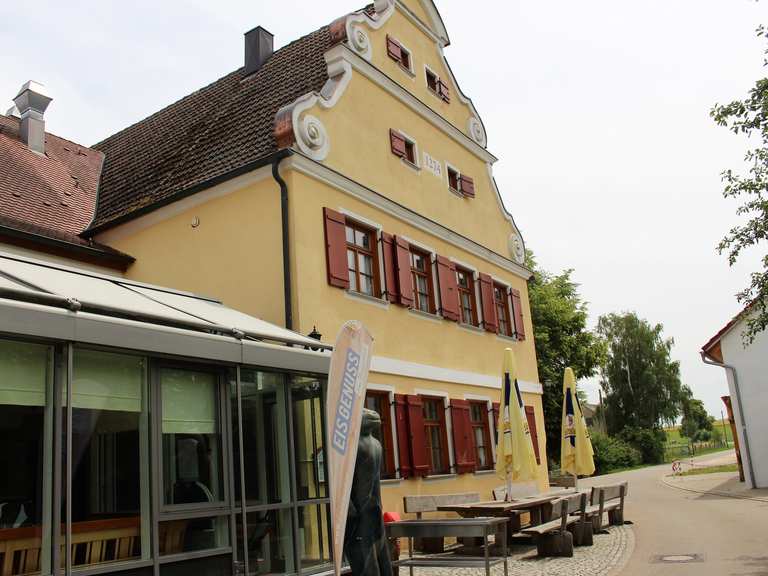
x=598, y=111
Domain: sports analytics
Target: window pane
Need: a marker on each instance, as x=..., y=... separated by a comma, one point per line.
x=308, y=426
x=314, y=544
x=25, y=379
x=482, y=461
x=191, y=438
x=212, y=566
x=110, y=458
x=363, y=239
x=269, y=541
x=265, y=438
x=191, y=535
x=350, y=235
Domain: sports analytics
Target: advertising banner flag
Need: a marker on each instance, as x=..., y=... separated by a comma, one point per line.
x=576, y=454
x=347, y=380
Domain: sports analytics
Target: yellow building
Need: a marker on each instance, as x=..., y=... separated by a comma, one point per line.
x=345, y=176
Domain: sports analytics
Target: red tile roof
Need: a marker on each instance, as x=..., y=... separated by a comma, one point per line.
x=215, y=131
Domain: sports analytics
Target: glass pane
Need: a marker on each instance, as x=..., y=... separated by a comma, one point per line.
x=363, y=239
x=211, y=566
x=270, y=541
x=350, y=235
x=265, y=438
x=481, y=452
x=475, y=411
x=190, y=535
x=314, y=542
x=366, y=285
x=110, y=458
x=351, y=264
x=308, y=426
x=26, y=374
x=366, y=264
x=191, y=438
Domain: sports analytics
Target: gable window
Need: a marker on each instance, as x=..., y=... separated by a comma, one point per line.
x=435, y=433
x=481, y=434
x=361, y=259
x=453, y=179
x=403, y=147
x=460, y=183
x=421, y=274
x=399, y=53
x=467, y=304
x=437, y=86
x=502, y=309
x=379, y=403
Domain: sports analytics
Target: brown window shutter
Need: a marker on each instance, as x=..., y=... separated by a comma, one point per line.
x=496, y=410
x=390, y=267
x=393, y=49
x=403, y=439
x=442, y=90
x=463, y=441
x=517, y=313
x=336, y=248
x=417, y=436
x=490, y=320
x=403, y=261
x=449, y=293
x=530, y=415
x=467, y=186
x=397, y=143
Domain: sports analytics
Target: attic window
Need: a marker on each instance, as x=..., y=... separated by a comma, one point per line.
x=453, y=179
x=437, y=86
x=399, y=53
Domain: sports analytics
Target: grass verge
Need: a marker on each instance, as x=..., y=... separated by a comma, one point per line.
x=710, y=470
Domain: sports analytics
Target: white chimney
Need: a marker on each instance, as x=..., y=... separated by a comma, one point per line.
x=13, y=111
x=31, y=102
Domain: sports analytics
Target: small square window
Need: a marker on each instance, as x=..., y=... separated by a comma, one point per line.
x=405, y=58
x=410, y=152
x=432, y=81
x=453, y=179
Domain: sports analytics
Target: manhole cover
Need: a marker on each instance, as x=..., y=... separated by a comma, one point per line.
x=678, y=558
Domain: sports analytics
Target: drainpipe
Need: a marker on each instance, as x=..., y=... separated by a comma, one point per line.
x=287, y=296
x=742, y=416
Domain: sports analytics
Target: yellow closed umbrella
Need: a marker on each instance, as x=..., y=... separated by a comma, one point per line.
x=576, y=454
x=515, y=458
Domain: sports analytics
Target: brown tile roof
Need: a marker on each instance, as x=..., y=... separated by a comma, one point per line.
x=55, y=191
x=208, y=134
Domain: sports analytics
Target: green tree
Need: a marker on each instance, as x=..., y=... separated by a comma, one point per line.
x=559, y=318
x=749, y=117
x=640, y=380
x=695, y=417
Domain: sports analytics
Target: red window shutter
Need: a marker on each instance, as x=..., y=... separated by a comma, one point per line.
x=490, y=320
x=418, y=440
x=393, y=49
x=397, y=142
x=467, y=186
x=463, y=441
x=517, y=313
x=442, y=90
x=403, y=439
x=390, y=267
x=403, y=261
x=530, y=415
x=496, y=410
x=449, y=293
x=336, y=248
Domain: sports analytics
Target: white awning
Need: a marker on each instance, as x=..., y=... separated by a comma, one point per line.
x=55, y=301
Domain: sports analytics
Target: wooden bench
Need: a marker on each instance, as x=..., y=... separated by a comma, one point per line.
x=429, y=503
x=608, y=499
x=567, y=522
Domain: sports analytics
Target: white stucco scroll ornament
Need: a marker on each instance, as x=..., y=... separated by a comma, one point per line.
x=516, y=248
x=360, y=42
x=477, y=132
x=312, y=138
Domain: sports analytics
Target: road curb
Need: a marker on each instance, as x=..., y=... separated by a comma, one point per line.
x=712, y=492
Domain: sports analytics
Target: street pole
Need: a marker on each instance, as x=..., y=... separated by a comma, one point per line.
x=725, y=434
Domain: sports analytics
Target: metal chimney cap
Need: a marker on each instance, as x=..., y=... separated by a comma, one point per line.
x=32, y=96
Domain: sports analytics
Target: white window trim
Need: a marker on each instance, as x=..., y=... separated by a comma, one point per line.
x=421, y=246
x=491, y=424
x=366, y=299
x=460, y=264
x=448, y=424
x=448, y=167
x=361, y=219
x=437, y=76
x=393, y=422
x=416, y=152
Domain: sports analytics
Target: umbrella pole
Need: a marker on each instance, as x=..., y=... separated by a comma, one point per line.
x=575, y=482
x=508, y=496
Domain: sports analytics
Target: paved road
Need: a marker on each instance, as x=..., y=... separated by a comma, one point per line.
x=729, y=536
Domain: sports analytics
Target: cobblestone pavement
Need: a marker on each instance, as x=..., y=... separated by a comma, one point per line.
x=607, y=556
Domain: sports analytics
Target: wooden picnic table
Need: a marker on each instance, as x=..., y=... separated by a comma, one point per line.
x=513, y=509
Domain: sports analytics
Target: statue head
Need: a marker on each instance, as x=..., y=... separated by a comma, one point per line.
x=371, y=422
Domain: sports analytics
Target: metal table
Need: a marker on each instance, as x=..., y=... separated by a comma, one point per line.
x=476, y=527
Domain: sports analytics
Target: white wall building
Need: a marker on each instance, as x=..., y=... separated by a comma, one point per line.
x=747, y=372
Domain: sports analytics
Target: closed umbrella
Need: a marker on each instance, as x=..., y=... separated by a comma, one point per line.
x=515, y=458
x=576, y=454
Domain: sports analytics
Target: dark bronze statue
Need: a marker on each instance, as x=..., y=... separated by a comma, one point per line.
x=365, y=542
